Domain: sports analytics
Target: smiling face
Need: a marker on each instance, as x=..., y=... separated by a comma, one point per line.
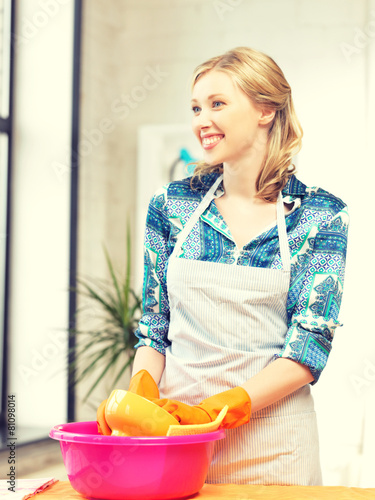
x=226, y=122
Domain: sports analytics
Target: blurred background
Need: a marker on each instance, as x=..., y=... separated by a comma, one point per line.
x=95, y=116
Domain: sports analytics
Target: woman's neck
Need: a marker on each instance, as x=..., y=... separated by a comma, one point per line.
x=240, y=175
x=239, y=179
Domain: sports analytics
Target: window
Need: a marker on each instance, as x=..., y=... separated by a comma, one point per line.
x=6, y=65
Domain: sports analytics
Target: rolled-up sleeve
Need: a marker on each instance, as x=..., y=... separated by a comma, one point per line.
x=315, y=315
x=153, y=326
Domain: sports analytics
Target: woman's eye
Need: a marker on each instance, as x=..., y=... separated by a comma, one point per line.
x=217, y=104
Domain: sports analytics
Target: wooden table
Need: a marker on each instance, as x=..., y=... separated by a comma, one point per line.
x=63, y=491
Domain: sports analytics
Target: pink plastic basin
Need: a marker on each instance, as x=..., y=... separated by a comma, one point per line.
x=134, y=468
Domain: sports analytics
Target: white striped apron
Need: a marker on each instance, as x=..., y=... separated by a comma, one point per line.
x=226, y=323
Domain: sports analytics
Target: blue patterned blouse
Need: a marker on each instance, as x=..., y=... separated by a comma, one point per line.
x=317, y=228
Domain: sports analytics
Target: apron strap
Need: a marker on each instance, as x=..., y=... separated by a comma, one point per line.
x=195, y=217
x=281, y=225
x=283, y=235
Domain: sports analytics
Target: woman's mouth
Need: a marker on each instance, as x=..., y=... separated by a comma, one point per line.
x=211, y=141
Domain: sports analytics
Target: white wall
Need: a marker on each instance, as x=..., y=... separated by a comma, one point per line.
x=40, y=224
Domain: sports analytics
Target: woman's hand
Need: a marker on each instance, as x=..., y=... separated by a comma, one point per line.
x=278, y=379
x=142, y=384
x=151, y=360
x=185, y=414
x=236, y=399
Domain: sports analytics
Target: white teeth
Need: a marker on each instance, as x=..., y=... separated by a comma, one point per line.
x=210, y=140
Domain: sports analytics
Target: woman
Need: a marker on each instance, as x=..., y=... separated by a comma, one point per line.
x=244, y=270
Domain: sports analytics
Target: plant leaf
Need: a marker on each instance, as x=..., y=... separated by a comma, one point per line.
x=114, y=280
x=100, y=377
x=117, y=310
x=126, y=365
x=126, y=287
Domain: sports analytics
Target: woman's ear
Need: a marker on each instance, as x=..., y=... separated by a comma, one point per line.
x=267, y=116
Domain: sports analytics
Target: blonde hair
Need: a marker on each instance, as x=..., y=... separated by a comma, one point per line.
x=264, y=83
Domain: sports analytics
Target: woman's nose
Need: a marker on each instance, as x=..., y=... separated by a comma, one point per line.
x=203, y=119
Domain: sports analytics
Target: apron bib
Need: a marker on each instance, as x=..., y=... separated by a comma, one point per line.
x=226, y=323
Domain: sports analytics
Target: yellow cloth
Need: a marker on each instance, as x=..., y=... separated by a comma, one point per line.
x=63, y=491
x=188, y=430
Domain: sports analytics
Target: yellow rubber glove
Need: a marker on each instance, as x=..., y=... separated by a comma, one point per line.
x=142, y=384
x=238, y=414
x=100, y=420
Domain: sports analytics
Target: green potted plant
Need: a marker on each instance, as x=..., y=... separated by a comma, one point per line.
x=109, y=346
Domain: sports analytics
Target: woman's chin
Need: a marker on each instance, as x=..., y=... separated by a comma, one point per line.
x=212, y=160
